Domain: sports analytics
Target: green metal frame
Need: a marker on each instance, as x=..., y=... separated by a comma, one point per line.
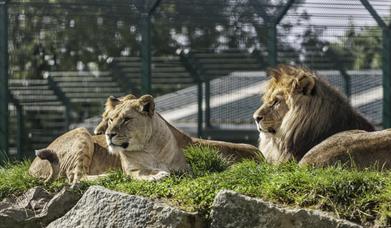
x=334, y=58
x=64, y=99
x=125, y=83
x=20, y=128
x=271, y=24
x=386, y=63
x=189, y=64
x=4, y=99
x=146, y=58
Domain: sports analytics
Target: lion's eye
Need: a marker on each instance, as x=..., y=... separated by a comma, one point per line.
x=276, y=102
x=110, y=120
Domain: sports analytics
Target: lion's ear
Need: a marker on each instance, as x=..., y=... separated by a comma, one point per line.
x=147, y=104
x=274, y=73
x=304, y=84
x=111, y=102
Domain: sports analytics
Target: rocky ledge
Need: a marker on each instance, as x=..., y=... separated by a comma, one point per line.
x=100, y=207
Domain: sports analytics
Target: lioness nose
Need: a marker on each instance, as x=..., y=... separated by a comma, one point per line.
x=111, y=135
x=258, y=119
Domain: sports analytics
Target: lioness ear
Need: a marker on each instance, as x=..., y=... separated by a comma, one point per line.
x=304, y=84
x=147, y=104
x=111, y=102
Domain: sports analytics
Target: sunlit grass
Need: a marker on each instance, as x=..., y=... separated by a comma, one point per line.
x=360, y=196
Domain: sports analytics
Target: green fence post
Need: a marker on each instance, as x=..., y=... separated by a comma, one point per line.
x=386, y=63
x=207, y=103
x=271, y=24
x=199, y=107
x=146, y=59
x=145, y=53
x=190, y=65
x=386, y=78
x=63, y=98
x=4, y=77
x=272, y=44
x=19, y=126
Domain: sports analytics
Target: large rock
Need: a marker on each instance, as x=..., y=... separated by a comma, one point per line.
x=231, y=209
x=36, y=208
x=100, y=207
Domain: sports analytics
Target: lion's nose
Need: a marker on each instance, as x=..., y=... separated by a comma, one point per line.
x=258, y=119
x=111, y=135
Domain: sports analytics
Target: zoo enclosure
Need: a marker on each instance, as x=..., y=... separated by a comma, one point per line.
x=199, y=41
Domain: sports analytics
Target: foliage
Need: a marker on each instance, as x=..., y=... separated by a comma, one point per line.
x=64, y=35
x=360, y=49
x=359, y=196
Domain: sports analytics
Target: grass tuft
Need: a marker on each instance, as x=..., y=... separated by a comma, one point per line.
x=360, y=196
x=204, y=160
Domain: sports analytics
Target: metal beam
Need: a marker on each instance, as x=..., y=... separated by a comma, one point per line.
x=154, y=6
x=386, y=63
x=374, y=14
x=386, y=67
x=200, y=112
x=283, y=12
x=272, y=44
x=146, y=53
x=4, y=77
x=146, y=58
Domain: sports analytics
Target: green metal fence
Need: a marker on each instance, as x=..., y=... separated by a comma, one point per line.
x=69, y=55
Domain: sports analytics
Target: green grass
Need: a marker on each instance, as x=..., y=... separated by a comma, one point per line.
x=360, y=196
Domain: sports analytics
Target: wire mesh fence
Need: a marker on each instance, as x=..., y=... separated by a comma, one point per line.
x=205, y=61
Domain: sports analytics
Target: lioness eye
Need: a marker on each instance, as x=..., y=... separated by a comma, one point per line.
x=276, y=102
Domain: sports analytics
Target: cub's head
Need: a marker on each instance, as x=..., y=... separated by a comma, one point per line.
x=129, y=124
x=287, y=86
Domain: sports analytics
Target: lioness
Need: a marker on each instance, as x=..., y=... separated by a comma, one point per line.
x=150, y=147
x=299, y=111
x=77, y=153
x=141, y=142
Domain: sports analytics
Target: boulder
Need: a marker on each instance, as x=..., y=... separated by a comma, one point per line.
x=100, y=207
x=36, y=208
x=231, y=209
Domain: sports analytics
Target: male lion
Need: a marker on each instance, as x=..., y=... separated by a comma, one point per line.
x=150, y=147
x=156, y=146
x=299, y=111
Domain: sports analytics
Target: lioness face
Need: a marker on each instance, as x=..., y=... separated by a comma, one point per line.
x=269, y=116
x=129, y=125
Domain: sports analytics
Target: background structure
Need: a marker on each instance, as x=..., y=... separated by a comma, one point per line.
x=204, y=60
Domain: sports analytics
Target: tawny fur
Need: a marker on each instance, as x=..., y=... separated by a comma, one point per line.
x=77, y=154
x=356, y=148
x=156, y=148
